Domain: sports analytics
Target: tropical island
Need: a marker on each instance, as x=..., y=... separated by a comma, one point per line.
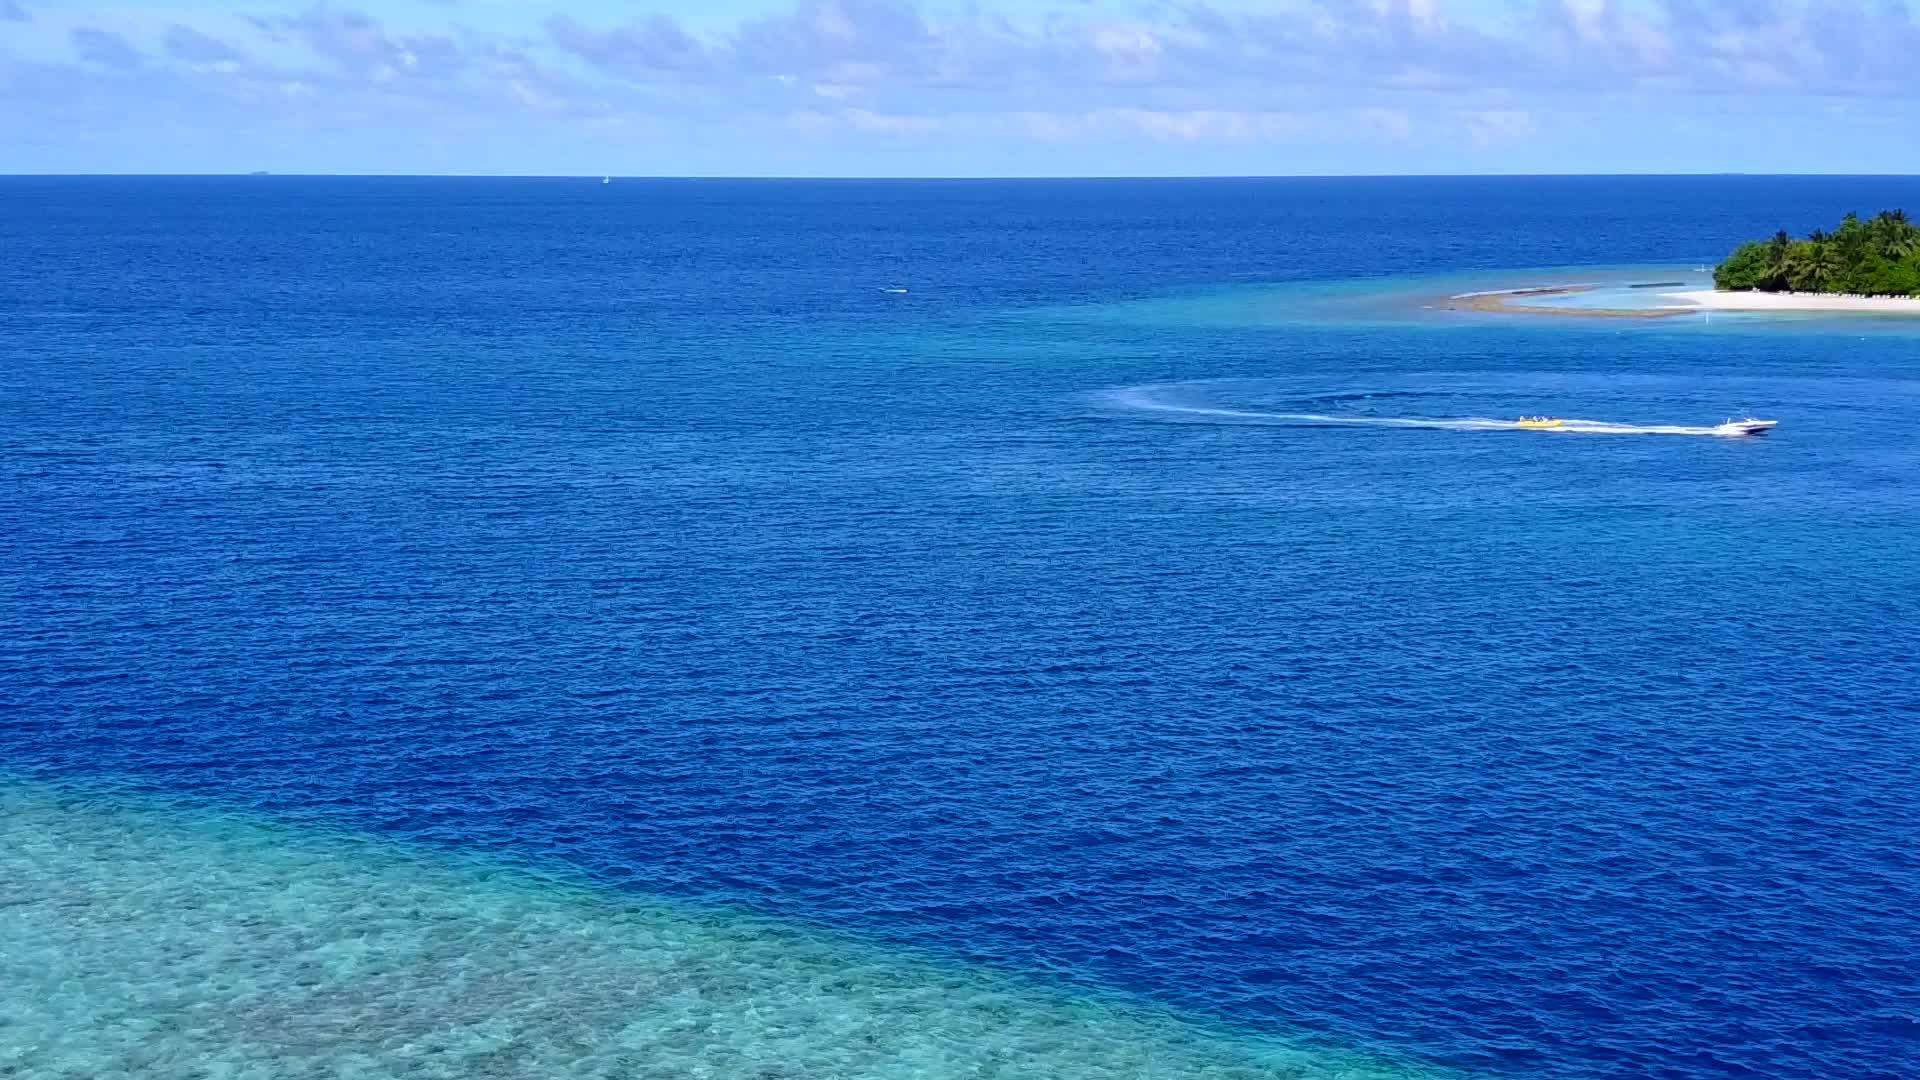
x=1868, y=267
x=1876, y=257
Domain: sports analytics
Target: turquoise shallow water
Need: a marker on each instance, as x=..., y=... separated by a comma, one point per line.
x=1433, y=300
x=144, y=940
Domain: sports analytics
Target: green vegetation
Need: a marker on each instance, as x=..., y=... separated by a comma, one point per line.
x=1879, y=257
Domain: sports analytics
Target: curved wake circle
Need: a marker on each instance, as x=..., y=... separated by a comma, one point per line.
x=1149, y=399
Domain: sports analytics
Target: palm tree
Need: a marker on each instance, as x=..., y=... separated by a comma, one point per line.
x=1778, y=253
x=1828, y=265
x=1897, y=237
x=1876, y=254
x=1797, y=272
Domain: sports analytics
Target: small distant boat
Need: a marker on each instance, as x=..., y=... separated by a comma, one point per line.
x=606, y=179
x=1747, y=425
x=1540, y=422
x=895, y=290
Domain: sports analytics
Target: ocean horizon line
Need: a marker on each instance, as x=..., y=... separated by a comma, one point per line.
x=953, y=178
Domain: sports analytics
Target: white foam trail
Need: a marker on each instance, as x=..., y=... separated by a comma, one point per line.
x=1142, y=398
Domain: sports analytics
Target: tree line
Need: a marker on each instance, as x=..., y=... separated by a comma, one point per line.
x=1876, y=257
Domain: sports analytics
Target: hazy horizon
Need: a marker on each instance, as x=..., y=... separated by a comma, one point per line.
x=959, y=88
x=912, y=178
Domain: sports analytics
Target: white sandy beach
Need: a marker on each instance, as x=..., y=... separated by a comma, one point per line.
x=1717, y=300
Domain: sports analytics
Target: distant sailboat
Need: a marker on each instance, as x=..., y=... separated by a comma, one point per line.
x=606, y=179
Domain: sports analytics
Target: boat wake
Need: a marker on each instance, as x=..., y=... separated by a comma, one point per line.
x=1155, y=399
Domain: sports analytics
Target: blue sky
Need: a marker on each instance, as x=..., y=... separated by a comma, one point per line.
x=959, y=87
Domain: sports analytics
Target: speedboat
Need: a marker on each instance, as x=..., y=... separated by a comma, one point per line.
x=1540, y=422
x=1744, y=426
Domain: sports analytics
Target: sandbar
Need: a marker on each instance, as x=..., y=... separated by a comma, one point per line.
x=1718, y=300
x=1502, y=301
x=1677, y=302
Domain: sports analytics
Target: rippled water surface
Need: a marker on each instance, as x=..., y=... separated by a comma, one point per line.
x=154, y=945
x=551, y=628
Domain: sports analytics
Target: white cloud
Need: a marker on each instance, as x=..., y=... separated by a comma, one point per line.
x=819, y=122
x=1492, y=125
x=1407, y=74
x=1194, y=124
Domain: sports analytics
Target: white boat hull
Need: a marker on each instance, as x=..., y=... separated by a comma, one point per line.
x=1745, y=427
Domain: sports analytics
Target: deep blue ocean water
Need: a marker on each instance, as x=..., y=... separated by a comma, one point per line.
x=643, y=529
